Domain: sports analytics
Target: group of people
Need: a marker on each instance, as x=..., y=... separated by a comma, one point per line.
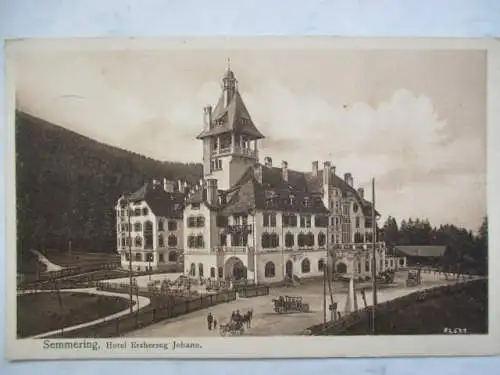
x=236, y=318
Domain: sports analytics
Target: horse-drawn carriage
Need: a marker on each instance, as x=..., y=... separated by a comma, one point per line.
x=232, y=328
x=413, y=278
x=285, y=304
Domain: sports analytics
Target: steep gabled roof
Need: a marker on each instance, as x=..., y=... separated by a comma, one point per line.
x=162, y=203
x=231, y=118
x=422, y=251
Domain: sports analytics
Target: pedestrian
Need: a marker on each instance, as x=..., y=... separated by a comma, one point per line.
x=215, y=323
x=210, y=320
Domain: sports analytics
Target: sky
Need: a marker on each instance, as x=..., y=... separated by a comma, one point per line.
x=415, y=120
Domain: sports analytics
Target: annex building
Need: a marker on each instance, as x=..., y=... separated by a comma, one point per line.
x=248, y=219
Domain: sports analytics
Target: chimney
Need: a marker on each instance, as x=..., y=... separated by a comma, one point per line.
x=207, y=117
x=257, y=172
x=284, y=170
x=268, y=162
x=348, y=179
x=361, y=192
x=326, y=173
x=315, y=168
x=212, y=191
x=168, y=185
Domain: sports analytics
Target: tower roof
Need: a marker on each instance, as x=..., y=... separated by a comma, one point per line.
x=233, y=117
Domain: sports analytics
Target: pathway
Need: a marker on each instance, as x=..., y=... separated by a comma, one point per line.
x=143, y=302
x=51, y=267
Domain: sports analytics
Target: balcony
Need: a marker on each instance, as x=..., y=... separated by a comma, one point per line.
x=359, y=246
x=232, y=249
x=235, y=150
x=237, y=228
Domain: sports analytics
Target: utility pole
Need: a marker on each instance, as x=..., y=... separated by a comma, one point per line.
x=374, y=259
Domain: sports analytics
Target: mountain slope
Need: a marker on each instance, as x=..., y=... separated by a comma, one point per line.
x=68, y=184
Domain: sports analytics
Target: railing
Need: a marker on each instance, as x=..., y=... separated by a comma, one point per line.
x=232, y=249
x=358, y=246
x=237, y=228
x=236, y=150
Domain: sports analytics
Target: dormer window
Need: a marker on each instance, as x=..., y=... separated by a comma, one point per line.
x=306, y=202
x=291, y=200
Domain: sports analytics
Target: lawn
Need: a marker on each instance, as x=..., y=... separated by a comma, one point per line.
x=42, y=312
x=465, y=310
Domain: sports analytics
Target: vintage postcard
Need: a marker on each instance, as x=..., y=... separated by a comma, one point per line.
x=251, y=198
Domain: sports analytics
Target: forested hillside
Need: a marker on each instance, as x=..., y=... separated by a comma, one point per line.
x=466, y=248
x=68, y=184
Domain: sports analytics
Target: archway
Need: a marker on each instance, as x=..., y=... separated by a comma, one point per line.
x=289, y=269
x=341, y=267
x=235, y=269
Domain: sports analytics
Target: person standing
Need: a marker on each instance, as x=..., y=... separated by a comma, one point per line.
x=215, y=323
x=210, y=320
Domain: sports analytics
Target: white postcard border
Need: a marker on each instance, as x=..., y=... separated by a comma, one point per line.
x=279, y=346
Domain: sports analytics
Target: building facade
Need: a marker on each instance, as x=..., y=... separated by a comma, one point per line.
x=263, y=223
x=150, y=227
x=246, y=219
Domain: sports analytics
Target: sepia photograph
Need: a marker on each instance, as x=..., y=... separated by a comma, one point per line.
x=239, y=190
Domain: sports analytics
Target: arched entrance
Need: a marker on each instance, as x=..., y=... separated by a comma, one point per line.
x=234, y=269
x=289, y=269
x=341, y=267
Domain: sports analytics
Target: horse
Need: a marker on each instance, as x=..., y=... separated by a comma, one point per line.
x=247, y=318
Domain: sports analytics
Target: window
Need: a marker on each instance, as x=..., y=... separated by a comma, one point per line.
x=200, y=269
x=221, y=221
x=172, y=225
x=191, y=222
x=269, y=219
x=127, y=257
x=305, y=266
x=161, y=257
x=195, y=206
x=359, y=267
x=310, y=240
x=305, y=221
x=401, y=262
x=269, y=270
x=138, y=257
x=123, y=242
x=357, y=222
x=199, y=241
x=200, y=221
x=367, y=266
x=345, y=210
x=137, y=227
x=172, y=256
x=148, y=235
x=145, y=211
x=149, y=257
x=192, y=270
x=321, y=221
x=358, y=237
x=160, y=225
x=223, y=239
x=289, y=220
x=301, y=240
x=355, y=207
x=306, y=202
x=275, y=240
x=321, y=265
x=172, y=241
x=138, y=241
x=289, y=240
x=137, y=212
x=212, y=272
x=369, y=237
x=321, y=239
x=266, y=241
x=161, y=241
x=368, y=223
x=221, y=272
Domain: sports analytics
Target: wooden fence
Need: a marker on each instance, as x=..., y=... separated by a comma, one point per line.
x=146, y=316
